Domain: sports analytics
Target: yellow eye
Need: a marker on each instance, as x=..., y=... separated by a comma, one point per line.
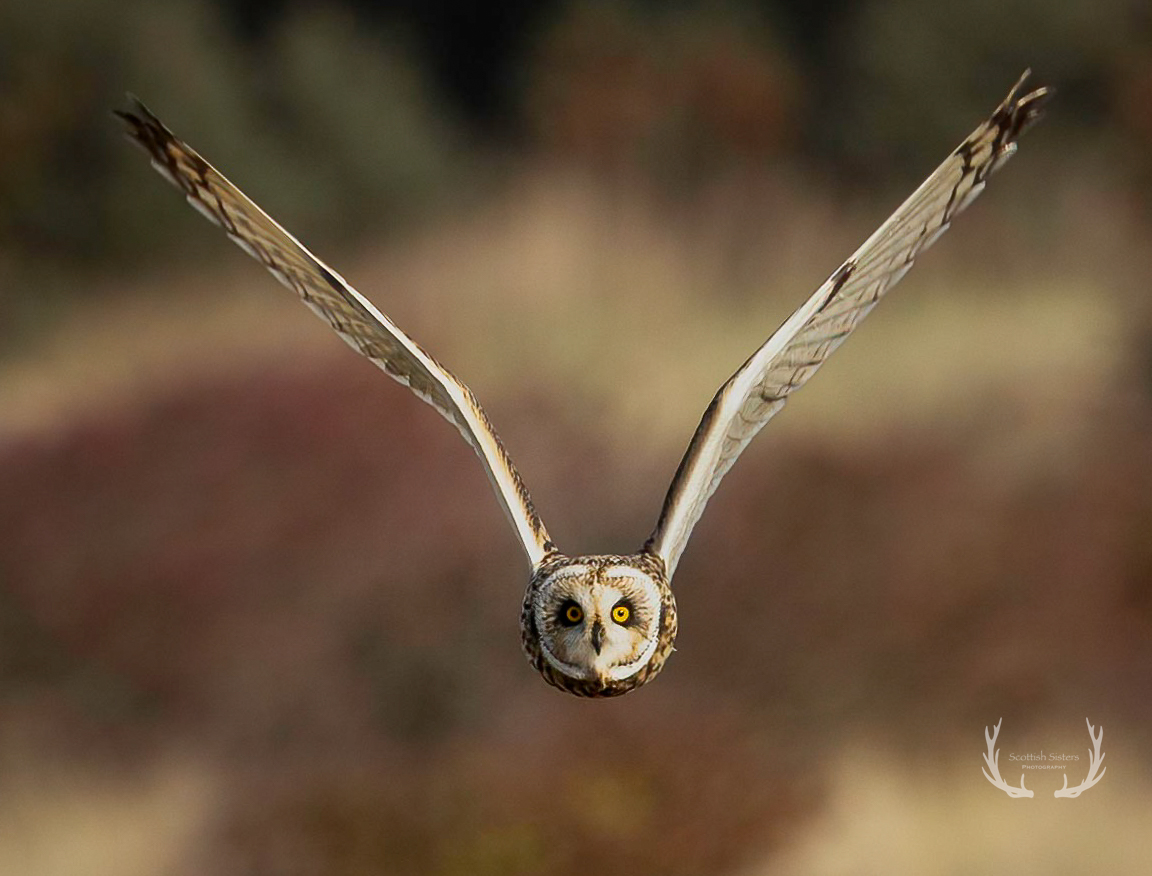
x=620, y=614
x=574, y=614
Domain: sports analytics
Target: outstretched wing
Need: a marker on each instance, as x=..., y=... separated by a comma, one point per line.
x=799, y=347
x=353, y=317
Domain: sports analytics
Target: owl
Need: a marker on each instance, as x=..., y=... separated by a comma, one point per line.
x=600, y=626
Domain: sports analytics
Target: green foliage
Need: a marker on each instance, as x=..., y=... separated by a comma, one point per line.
x=330, y=126
x=335, y=127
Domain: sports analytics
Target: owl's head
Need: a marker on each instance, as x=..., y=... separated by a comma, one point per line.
x=599, y=626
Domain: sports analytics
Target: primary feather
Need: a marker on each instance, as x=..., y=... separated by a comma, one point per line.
x=353, y=316
x=750, y=398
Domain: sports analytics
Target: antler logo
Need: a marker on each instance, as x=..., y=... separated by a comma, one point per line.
x=992, y=758
x=1095, y=758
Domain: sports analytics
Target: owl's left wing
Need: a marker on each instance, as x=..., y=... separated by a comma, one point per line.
x=799, y=347
x=355, y=319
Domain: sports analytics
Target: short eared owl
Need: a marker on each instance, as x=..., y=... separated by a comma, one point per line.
x=603, y=625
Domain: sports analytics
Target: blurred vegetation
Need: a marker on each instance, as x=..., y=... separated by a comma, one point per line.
x=353, y=120
x=336, y=111
x=336, y=123
x=287, y=571
x=674, y=92
x=255, y=581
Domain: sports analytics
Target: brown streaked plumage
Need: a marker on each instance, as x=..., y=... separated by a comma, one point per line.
x=602, y=625
x=589, y=577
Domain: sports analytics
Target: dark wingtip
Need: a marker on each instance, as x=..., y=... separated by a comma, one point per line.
x=136, y=112
x=142, y=127
x=1019, y=82
x=137, y=116
x=1022, y=112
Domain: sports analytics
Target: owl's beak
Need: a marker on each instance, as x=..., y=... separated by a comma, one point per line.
x=597, y=636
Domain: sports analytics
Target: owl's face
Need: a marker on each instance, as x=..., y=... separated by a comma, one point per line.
x=598, y=627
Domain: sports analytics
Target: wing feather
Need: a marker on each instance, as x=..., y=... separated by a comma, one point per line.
x=354, y=318
x=790, y=357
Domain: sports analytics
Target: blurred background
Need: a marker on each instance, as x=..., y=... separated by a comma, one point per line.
x=258, y=607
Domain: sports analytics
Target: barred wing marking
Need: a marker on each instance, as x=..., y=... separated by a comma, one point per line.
x=799, y=347
x=353, y=317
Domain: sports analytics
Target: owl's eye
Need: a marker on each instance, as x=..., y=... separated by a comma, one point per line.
x=621, y=613
x=571, y=614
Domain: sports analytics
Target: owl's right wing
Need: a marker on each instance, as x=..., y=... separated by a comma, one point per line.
x=801, y=345
x=354, y=318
